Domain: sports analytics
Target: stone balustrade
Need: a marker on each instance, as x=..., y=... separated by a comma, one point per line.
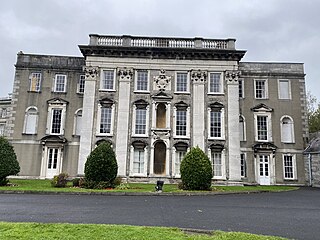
x=160, y=42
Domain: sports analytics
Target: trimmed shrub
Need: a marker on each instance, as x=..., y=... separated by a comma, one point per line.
x=101, y=166
x=60, y=180
x=8, y=161
x=196, y=170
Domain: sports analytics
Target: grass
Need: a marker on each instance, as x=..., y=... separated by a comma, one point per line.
x=45, y=186
x=49, y=231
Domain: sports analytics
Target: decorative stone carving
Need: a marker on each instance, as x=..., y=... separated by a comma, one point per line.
x=91, y=72
x=160, y=134
x=125, y=74
x=198, y=76
x=232, y=76
x=162, y=80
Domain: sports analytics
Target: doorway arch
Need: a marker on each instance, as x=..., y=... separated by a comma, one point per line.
x=159, y=166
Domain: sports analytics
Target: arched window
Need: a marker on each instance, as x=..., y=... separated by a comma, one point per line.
x=31, y=120
x=78, y=122
x=161, y=116
x=287, y=129
x=242, y=128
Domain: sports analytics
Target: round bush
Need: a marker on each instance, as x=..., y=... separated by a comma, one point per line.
x=8, y=161
x=196, y=170
x=101, y=165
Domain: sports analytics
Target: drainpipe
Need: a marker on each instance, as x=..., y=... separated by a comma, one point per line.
x=310, y=173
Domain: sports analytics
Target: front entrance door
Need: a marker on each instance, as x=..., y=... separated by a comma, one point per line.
x=264, y=170
x=159, y=166
x=53, y=162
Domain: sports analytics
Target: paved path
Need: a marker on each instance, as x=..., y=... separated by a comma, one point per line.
x=294, y=214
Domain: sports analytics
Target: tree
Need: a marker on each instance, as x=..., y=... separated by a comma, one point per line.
x=8, y=161
x=196, y=170
x=101, y=167
x=313, y=112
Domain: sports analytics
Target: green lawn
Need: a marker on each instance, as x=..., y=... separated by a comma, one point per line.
x=45, y=186
x=36, y=231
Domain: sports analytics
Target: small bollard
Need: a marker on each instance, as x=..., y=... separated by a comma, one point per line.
x=159, y=186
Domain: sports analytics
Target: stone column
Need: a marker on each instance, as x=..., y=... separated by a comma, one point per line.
x=125, y=77
x=198, y=79
x=233, y=125
x=85, y=148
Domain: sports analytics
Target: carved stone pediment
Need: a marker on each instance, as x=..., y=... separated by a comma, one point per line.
x=261, y=108
x=162, y=95
x=162, y=81
x=57, y=101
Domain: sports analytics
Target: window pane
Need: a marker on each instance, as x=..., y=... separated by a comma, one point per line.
x=35, y=81
x=105, y=120
x=284, y=89
x=182, y=82
x=260, y=89
x=240, y=88
x=243, y=165
x=215, y=83
x=60, y=83
x=179, y=156
x=108, y=80
x=217, y=164
x=287, y=130
x=142, y=80
x=81, y=84
x=78, y=123
x=262, y=128
x=31, y=121
x=181, y=122
x=241, y=128
x=138, y=161
x=215, y=123
x=141, y=116
x=288, y=166
x=56, y=121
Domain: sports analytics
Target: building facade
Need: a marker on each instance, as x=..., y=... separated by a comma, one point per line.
x=5, y=116
x=154, y=99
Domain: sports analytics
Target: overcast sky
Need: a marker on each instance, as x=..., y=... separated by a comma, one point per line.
x=270, y=30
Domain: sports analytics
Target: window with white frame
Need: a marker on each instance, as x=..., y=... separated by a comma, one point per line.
x=78, y=122
x=243, y=165
x=287, y=130
x=142, y=80
x=30, y=121
x=60, y=83
x=138, y=160
x=241, y=88
x=53, y=158
x=262, y=128
x=2, y=129
x=215, y=83
x=56, y=116
x=182, y=82
x=242, y=128
x=181, y=122
x=261, y=88
x=215, y=123
x=35, y=82
x=107, y=80
x=284, y=89
x=105, y=119
x=81, y=82
x=56, y=121
x=179, y=156
x=181, y=149
x=289, y=166
x=216, y=158
x=141, y=121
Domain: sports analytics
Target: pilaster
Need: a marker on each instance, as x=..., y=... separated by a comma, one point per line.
x=125, y=78
x=233, y=125
x=87, y=130
x=198, y=79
